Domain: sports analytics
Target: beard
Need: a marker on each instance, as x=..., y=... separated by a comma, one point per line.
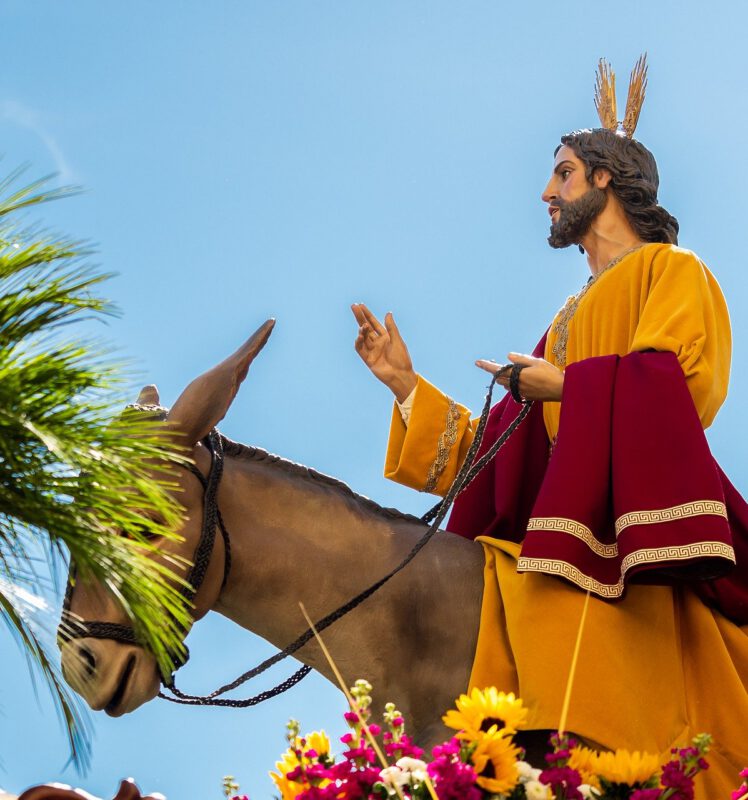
x=576, y=217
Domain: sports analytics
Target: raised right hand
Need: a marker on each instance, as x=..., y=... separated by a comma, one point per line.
x=383, y=351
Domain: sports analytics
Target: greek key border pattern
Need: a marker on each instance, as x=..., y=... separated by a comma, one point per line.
x=694, y=509
x=573, y=528
x=563, y=569
x=443, y=447
x=678, y=553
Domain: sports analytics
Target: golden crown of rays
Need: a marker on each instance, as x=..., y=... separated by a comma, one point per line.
x=605, y=96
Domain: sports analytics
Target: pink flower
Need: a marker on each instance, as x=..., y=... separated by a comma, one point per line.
x=453, y=779
x=355, y=782
x=563, y=779
x=402, y=747
x=449, y=748
x=646, y=794
x=673, y=777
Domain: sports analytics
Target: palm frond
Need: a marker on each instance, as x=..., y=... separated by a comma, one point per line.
x=67, y=456
x=68, y=707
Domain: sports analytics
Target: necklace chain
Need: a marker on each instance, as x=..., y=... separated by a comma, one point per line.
x=561, y=325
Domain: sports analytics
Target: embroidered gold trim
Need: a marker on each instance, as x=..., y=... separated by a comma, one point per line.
x=573, y=528
x=678, y=553
x=552, y=566
x=566, y=314
x=684, y=511
x=443, y=447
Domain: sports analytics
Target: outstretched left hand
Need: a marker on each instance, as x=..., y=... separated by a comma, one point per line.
x=540, y=380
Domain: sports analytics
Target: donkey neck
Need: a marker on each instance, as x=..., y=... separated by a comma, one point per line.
x=300, y=537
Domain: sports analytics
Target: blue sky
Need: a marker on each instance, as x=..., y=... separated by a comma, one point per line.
x=244, y=160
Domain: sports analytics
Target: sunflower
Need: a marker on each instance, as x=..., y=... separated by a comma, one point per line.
x=288, y=789
x=624, y=767
x=481, y=711
x=494, y=760
x=319, y=743
x=583, y=760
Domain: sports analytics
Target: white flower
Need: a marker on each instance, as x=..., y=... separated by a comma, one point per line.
x=535, y=790
x=413, y=769
x=392, y=776
x=526, y=772
x=588, y=792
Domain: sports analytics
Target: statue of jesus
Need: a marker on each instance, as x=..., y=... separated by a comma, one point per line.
x=608, y=486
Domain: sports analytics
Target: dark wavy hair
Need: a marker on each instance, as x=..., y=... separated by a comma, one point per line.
x=635, y=179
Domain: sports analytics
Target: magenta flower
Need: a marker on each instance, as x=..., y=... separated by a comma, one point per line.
x=449, y=748
x=674, y=778
x=564, y=781
x=453, y=779
x=402, y=747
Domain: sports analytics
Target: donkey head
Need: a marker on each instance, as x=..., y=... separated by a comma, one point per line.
x=110, y=672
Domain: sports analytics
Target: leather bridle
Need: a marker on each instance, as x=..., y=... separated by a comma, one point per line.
x=72, y=628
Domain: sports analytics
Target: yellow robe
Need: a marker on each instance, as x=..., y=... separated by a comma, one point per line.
x=659, y=666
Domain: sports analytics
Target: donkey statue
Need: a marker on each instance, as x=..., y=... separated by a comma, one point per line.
x=298, y=535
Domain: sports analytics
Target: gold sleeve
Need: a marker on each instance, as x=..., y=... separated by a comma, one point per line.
x=685, y=313
x=428, y=452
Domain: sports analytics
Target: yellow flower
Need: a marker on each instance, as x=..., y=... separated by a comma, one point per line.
x=625, y=767
x=494, y=759
x=288, y=789
x=583, y=760
x=317, y=741
x=483, y=710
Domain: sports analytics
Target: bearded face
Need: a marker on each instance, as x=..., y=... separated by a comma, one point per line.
x=574, y=218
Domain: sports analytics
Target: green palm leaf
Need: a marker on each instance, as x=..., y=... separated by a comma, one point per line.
x=67, y=456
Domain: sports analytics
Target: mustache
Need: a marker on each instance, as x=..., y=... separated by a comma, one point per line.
x=576, y=217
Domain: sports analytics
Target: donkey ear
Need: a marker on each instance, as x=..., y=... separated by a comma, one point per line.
x=148, y=396
x=204, y=403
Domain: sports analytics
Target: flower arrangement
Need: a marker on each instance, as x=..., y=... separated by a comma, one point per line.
x=481, y=761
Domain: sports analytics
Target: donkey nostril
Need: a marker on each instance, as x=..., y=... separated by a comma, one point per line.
x=88, y=660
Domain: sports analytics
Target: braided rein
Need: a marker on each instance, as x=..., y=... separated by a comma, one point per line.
x=71, y=628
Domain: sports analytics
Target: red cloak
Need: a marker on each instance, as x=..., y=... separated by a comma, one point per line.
x=629, y=493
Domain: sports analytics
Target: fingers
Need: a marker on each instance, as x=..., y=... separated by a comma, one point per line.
x=392, y=329
x=370, y=319
x=493, y=367
x=488, y=365
x=358, y=313
x=360, y=342
x=501, y=371
x=520, y=358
